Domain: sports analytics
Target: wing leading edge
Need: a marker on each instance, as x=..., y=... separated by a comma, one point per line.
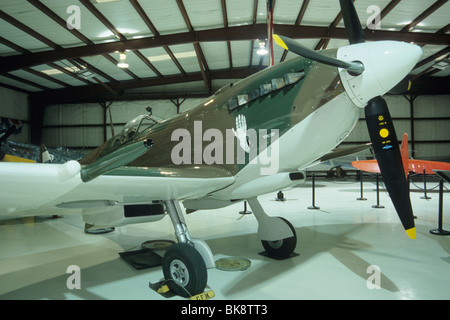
x=27, y=187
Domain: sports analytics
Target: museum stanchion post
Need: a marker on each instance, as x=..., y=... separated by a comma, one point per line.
x=439, y=231
x=313, y=206
x=425, y=187
x=245, y=211
x=361, y=187
x=280, y=196
x=378, y=206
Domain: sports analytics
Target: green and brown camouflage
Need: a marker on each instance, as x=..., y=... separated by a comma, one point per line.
x=278, y=97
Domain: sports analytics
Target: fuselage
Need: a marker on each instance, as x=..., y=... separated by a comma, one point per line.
x=300, y=104
x=251, y=137
x=293, y=113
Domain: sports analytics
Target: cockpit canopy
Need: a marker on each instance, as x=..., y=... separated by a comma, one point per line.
x=133, y=127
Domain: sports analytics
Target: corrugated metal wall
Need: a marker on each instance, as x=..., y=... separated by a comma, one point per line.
x=426, y=120
x=432, y=126
x=83, y=125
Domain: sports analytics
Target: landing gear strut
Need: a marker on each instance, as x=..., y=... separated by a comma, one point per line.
x=277, y=235
x=185, y=264
x=283, y=248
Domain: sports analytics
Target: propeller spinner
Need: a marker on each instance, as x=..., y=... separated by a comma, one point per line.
x=369, y=70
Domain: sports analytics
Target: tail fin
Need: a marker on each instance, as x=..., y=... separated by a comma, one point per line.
x=44, y=155
x=405, y=153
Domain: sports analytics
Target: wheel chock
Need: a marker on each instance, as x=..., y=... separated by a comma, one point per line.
x=203, y=296
x=163, y=289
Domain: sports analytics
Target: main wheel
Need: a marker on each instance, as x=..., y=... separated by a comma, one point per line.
x=184, y=270
x=283, y=248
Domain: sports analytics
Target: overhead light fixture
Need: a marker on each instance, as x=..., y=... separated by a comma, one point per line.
x=123, y=61
x=85, y=73
x=262, y=51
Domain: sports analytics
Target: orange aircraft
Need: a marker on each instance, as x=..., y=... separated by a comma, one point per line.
x=416, y=166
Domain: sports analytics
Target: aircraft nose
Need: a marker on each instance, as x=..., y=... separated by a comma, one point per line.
x=393, y=61
x=386, y=63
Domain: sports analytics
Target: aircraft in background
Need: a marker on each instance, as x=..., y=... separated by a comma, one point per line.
x=409, y=165
x=9, y=127
x=250, y=138
x=11, y=151
x=24, y=152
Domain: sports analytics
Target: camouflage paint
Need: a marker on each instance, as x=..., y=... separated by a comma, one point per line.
x=281, y=109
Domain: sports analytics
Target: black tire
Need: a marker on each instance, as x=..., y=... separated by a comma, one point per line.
x=184, y=270
x=283, y=248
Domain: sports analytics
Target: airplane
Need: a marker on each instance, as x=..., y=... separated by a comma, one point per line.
x=413, y=165
x=7, y=128
x=252, y=137
x=11, y=151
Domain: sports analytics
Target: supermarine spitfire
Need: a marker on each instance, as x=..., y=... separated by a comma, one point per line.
x=250, y=138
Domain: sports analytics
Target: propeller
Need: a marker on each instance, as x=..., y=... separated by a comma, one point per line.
x=378, y=119
x=402, y=87
x=387, y=152
x=355, y=67
x=353, y=27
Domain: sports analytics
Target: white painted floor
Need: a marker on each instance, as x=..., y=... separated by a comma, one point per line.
x=336, y=246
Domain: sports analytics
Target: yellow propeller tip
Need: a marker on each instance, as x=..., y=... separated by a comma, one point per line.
x=411, y=233
x=280, y=42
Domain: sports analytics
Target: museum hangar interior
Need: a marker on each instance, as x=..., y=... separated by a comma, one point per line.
x=74, y=73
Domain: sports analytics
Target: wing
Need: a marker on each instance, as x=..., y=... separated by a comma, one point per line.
x=367, y=165
x=418, y=166
x=11, y=158
x=26, y=187
x=344, y=151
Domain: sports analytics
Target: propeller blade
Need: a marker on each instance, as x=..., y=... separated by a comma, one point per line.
x=402, y=87
x=289, y=44
x=387, y=153
x=353, y=27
